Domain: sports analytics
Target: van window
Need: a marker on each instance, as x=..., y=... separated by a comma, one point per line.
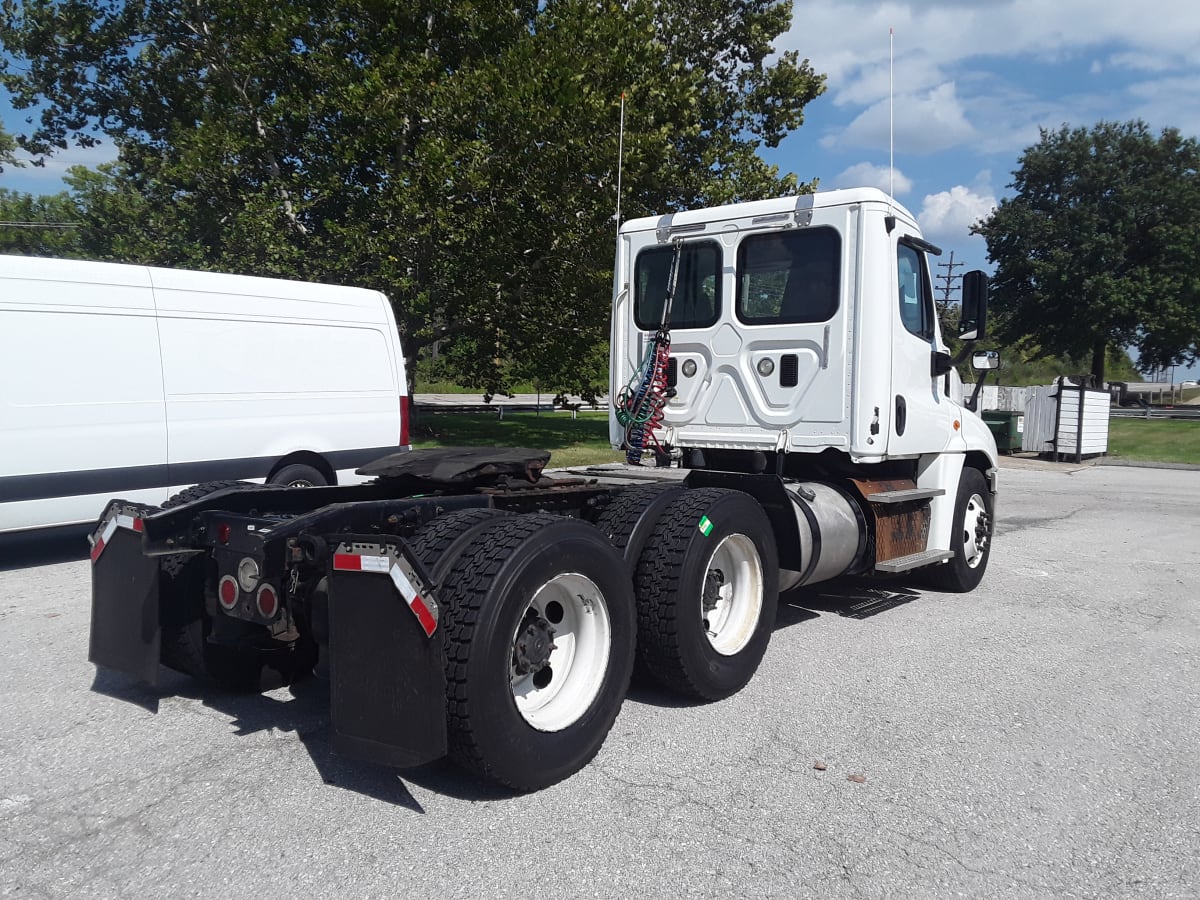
x=789, y=277
x=697, y=292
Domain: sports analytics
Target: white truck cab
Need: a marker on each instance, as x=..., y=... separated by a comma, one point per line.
x=803, y=340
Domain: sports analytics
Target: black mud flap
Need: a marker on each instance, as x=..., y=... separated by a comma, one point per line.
x=387, y=668
x=125, y=630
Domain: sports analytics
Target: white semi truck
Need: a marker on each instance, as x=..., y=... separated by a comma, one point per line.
x=790, y=412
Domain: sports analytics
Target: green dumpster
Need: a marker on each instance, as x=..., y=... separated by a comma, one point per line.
x=1007, y=427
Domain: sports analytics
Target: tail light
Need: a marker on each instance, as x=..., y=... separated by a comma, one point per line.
x=268, y=602
x=404, y=438
x=227, y=592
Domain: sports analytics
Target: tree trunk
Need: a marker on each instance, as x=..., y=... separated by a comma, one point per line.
x=1099, y=351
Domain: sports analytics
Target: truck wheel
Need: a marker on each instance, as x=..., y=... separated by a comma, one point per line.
x=298, y=475
x=707, y=586
x=539, y=631
x=440, y=539
x=972, y=538
x=631, y=516
x=185, y=648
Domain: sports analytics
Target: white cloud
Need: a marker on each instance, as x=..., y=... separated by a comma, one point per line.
x=950, y=214
x=933, y=121
x=867, y=174
x=47, y=178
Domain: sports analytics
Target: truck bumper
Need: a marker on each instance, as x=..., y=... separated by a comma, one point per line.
x=125, y=632
x=387, y=665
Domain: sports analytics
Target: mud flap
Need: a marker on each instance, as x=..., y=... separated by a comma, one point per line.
x=387, y=668
x=125, y=631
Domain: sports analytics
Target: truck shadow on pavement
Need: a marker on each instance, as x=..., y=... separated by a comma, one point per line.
x=851, y=598
x=303, y=708
x=27, y=550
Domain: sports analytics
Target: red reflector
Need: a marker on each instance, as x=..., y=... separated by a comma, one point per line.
x=227, y=592
x=97, y=549
x=223, y=532
x=404, y=437
x=268, y=603
x=424, y=616
x=137, y=525
x=347, y=562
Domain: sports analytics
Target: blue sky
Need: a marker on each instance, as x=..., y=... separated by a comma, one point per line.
x=974, y=79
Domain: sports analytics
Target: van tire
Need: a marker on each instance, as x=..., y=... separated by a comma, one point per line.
x=710, y=546
x=298, y=475
x=509, y=580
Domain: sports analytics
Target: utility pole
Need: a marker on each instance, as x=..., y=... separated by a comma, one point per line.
x=949, y=278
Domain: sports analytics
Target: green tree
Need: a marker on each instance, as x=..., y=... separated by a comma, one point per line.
x=1099, y=249
x=459, y=155
x=8, y=149
x=32, y=225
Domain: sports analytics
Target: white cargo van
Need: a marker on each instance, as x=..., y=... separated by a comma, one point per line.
x=121, y=380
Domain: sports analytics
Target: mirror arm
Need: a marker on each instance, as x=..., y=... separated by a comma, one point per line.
x=973, y=403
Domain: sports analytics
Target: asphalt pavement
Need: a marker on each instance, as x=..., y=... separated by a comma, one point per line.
x=1039, y=737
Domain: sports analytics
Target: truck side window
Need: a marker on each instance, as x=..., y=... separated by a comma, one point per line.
x=916, y=303
x=697, y=293
x=789, y=277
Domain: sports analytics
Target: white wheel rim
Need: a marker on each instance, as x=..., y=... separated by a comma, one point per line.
x=735, y=571
x=975, y=536
x=558, y=694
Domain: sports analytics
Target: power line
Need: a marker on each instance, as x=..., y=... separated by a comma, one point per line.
x=43, y=224
x=949, y=278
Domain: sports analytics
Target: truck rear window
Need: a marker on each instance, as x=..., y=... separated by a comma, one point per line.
x=789, y=277
x=697, y=292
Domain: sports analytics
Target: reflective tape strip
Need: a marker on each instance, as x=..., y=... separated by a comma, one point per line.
x=414, y=600
x=129, y=523
x=353, y=562
x=422, y=609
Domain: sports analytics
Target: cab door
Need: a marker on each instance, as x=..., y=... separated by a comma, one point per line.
x=924, y=420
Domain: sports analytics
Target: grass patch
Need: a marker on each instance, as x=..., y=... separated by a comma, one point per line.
x=582, y=441
x=1155, y=440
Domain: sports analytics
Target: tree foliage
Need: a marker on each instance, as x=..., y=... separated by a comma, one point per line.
x=32, y=225
x=460, y=155
x=1100, y=246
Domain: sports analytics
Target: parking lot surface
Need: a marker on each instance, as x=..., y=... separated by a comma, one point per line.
x=1037, y=738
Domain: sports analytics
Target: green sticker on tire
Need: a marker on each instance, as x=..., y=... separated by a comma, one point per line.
x=706, y=526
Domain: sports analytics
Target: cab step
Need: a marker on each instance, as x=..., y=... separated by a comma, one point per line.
x=913, y=561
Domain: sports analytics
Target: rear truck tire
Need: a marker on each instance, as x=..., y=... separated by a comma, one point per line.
x=539, y=632
x=971, y=541
x=630, y=518
x=200, y=491
x=298, y=475
x=439, y=540
x=707, y=588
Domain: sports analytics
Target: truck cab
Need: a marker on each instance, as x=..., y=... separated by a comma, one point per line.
x=798, y=325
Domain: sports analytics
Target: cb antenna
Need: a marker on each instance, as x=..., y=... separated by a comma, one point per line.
x=891, y=118
x=620, y=159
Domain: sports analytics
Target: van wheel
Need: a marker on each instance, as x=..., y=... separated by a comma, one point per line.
x=539, y=637
x=972, y=538
x=298, y=475
x=707, y=585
